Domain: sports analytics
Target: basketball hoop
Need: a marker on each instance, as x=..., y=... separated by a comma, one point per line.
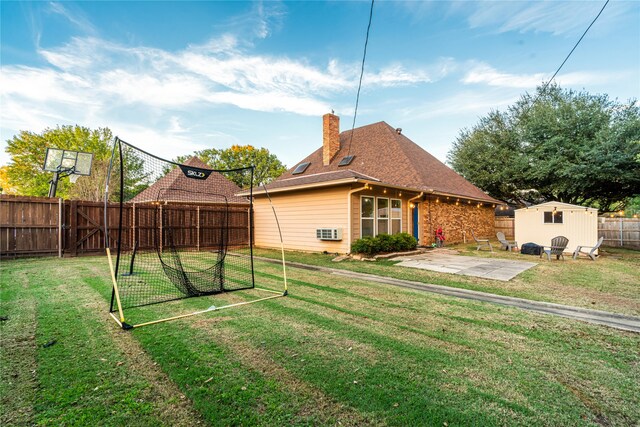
x=66, y=163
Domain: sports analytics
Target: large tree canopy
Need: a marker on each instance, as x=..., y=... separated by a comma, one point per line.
x=558, y=144
x=268, y=167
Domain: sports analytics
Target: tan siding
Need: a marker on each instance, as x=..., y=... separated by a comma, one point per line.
x=300, y=214
x=580, y=227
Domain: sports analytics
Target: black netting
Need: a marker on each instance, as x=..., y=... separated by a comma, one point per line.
x=178, y=230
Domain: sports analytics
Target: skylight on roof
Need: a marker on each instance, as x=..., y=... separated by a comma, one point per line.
x=346, y=160
x=301, y=168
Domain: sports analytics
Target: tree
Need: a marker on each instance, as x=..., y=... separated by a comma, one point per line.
x=27, y=151
x=268, y=167
x=558, y=144
x=5, y=185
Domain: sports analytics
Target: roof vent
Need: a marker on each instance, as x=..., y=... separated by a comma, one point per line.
x=399, y=131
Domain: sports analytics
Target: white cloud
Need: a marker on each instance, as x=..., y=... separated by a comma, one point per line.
x=482, y=73
x=73, y=15
x=555, y=17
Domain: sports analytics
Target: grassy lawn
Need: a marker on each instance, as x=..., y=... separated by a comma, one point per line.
x=334, y=352
x=612, y=283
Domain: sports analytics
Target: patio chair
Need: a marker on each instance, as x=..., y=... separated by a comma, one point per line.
x=506, y=244
x=558, y=245
x=590, y=252
x=482, y=243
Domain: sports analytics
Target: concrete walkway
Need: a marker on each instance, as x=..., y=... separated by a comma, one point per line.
x=487, y=268
x=613, y=320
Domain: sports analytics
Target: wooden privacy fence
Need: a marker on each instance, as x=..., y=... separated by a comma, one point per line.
x=618, y=231
x=507, y=226
x=39, y=226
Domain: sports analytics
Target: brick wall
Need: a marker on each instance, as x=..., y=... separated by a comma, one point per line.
x=454, y=219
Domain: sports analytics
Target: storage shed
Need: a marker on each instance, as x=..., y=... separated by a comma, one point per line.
x=541, y=223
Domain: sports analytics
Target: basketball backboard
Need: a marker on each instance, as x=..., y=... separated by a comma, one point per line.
x=70, y=161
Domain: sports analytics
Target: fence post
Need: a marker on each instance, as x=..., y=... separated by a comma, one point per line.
x=198, y=228
x=621, y=234
x=73, y=227
x=133, y=226
x=59, y=227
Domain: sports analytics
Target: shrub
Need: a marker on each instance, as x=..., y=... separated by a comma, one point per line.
x=384, y=243
x=405, y=242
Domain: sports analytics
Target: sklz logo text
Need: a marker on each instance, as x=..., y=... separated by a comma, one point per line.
x=195, y=174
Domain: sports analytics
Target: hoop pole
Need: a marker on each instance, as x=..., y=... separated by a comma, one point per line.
x=182, y=316
x=115, y=285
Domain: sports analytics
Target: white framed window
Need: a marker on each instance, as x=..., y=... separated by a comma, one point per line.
x=396, y=216
x=553, y=217
x=367, y=217
x=382, y=214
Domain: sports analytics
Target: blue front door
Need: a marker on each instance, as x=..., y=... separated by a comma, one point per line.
x=416, y=222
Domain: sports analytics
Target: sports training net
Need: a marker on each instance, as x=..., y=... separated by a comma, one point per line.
x=179, y=230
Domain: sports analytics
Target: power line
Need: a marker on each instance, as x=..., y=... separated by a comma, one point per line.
x=574, y=48
x=364, y=57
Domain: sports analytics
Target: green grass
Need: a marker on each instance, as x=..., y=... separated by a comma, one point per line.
x=612, y=283
x=335, y=351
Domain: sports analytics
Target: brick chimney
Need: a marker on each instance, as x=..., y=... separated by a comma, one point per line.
x=330, y=137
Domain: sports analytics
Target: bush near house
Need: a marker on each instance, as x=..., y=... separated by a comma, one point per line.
x=384, y=243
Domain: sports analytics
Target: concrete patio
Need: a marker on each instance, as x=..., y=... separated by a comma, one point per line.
x=487, y=268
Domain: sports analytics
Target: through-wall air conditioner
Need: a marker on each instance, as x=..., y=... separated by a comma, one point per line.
x=329, y=233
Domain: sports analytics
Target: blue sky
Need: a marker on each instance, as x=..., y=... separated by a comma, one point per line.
x=174, y=77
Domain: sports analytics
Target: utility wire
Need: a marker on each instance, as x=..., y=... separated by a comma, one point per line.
x=544, y=88
x=364, y=57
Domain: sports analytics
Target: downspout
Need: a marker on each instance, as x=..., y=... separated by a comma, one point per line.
x=349, y=219
x=409, y=219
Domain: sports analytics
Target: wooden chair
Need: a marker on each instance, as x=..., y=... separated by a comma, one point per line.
x=590, y=253
x=506, y=244
x=482, y=243
x=558, y=245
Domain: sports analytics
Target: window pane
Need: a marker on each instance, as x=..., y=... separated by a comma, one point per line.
x=558, y=218
x=396, y=208
x=383, y=226
x=395, y=226
x=367, y=227
x=383, y=208
x=367, y=207
x=548, y=217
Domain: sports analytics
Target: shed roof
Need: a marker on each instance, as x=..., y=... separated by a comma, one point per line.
x=558, y=205
x=209, y=190
x=383, y=154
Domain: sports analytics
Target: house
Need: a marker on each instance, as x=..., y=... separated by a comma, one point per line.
x=367, y=182
x=541, y=223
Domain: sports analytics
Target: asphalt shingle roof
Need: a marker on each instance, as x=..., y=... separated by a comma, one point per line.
x=388, y=156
